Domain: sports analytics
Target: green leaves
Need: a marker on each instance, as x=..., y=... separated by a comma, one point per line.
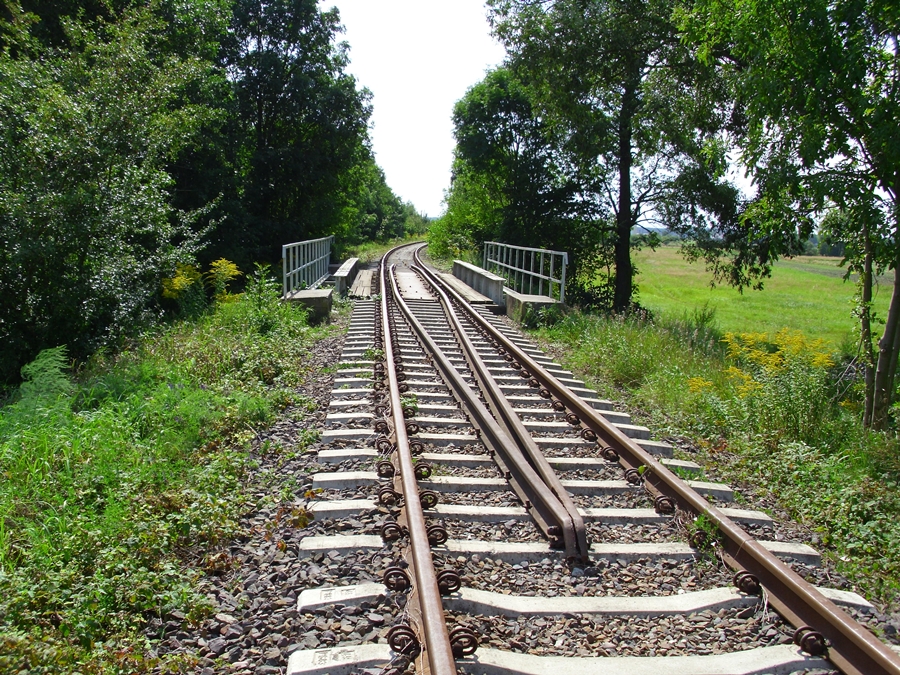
x=100, y=500
x=299, y=128
x=135, y=137
x=88, y=226
x=817, y=82
x=637, y=120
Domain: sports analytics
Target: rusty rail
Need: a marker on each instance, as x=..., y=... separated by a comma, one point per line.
x=435, y=637
x=549, y=514
x=821, y=626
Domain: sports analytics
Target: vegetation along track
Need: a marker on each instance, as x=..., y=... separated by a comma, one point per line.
x=519, y=525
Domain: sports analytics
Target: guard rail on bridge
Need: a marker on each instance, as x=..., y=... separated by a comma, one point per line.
x=305, y=263
x=533, y=271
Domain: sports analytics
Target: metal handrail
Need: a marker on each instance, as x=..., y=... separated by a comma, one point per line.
x=305, y=263
x=524, y=268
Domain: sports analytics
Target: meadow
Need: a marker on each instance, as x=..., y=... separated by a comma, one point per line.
x=806, y=293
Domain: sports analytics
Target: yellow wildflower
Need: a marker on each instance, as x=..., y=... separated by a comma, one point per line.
x=185, y=277
x=698, y=384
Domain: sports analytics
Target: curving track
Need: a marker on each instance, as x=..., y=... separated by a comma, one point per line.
x=522, y=525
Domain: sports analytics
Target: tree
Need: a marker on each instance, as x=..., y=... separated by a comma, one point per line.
x=302, y=124
x=378, y=211
x=511, y=178
x=87, y=229
x=500, y=136
x=640, y=115
x=819, y=85
x=414, y=223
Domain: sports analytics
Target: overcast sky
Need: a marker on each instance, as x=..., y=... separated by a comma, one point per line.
x=418, y=57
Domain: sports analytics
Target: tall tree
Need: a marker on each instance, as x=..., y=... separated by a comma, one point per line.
x=512, y=180
x=632, y=104
x=87, y=227
x=500, y=136
x=819, y=83
x=302, y=123
x=376, y=213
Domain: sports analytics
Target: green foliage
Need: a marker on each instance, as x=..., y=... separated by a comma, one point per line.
x=295, y=141
x=186, y=289
x=221, y=273
x=139, y=138
x=43, y=380
x=108, y=481
x=703, y=533
x=451, y=240
x=639, y=120
x=512, y=180
x=87, y=229
x=379, y=215
x=816, y=82
x=409, y=401
x=782, y=386
x=415, y=224
x=266, y=310
x=766, y=410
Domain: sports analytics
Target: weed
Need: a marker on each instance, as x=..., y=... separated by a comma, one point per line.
x=685, y=474
x=409, y=401
x=372, y=354
x=108, y=479
x=186, y=289
x=703, y=533
x=221, y=273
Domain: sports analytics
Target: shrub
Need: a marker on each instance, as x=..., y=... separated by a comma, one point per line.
x=108, y=481
x=782, y=388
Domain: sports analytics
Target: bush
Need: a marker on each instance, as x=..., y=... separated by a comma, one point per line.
x=87, y=226
x=110, y=481
x=782, y=388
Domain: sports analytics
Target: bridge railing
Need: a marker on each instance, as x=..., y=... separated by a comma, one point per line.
x=534, y=271
x=305, y=263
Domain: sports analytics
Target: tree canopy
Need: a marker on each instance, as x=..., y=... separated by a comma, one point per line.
x=638, y=117
x=817, y=83
x=140, y=136
x=510, y=179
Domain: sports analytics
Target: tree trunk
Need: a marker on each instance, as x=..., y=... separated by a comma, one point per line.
x=887, y=359
x=865, y=332
x=624, y=220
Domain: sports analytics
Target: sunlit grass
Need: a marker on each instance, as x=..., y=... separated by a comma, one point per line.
x=107, y=483
x=804, y=293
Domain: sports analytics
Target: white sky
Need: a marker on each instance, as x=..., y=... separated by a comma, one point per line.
x=418, y=57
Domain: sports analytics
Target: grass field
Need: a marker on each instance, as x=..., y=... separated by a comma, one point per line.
x=804, y=293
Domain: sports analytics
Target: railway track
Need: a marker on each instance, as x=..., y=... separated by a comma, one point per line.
x=487, y=513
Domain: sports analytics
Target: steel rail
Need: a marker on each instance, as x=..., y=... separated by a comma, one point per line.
x=537, y=498
x=435, y=637
x=847, y=644
x=573, y=531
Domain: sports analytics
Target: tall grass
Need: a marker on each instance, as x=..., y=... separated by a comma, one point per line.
x=766, y=410
x=113, y=479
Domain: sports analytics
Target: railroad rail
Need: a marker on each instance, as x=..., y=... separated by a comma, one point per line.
x=453, y=407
